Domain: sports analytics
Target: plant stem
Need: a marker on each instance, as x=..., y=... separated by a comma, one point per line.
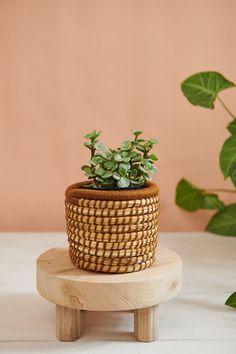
x=220, y=190
x=226, y=108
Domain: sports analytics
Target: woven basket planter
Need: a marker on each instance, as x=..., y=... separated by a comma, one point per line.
x=112, y=231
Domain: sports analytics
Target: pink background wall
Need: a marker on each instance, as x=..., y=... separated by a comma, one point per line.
x=68, y=67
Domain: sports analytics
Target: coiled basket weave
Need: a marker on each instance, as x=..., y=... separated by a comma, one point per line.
x=112, y=231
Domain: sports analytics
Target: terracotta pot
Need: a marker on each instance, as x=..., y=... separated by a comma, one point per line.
x=112, y=231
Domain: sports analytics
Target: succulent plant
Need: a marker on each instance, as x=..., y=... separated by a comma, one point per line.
x=130, y=165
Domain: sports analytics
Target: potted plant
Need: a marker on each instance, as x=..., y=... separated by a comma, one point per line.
x=112, y=218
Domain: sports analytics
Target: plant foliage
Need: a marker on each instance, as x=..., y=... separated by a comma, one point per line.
x=202, y=89
x=130, y=165
x=231, y=301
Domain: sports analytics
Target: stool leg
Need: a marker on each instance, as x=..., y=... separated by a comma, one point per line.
x=68, y=324
x=145, y=324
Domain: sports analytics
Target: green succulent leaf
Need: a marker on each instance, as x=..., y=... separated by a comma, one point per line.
x=124, y=154
x=147, y=177
x=153, y=169
x=143, y=169
x=202, y=88
x=137, y=132
x=126, y=159
x=137, y=158
x=224, y=221
x=87, y=170
x=153, y=141
x=153, y=157
x=191, y=198
x=99, y=171
x=232, y=127
x=107, y=174
x=141, y=148
x=147, y=164
x=93, y=136
x=231, y=301
x=118, y=157
x=102, y=147
x=110, y=165
x=123, y=182
x=124, y=167
x=228, y=158
x=116, y=175
x=126, y=145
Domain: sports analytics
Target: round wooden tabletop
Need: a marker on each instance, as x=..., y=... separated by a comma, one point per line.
x=61, y=283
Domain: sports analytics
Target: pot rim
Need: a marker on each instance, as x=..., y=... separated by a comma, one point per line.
x=76, y=191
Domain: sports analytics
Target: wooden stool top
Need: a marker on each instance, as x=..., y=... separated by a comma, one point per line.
x=61, y=283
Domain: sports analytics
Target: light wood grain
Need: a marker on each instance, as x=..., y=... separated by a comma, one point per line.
x=61, y=283
x=68, y=324
x=146, y=324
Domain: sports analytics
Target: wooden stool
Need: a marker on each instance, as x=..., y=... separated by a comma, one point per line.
x=73, y=290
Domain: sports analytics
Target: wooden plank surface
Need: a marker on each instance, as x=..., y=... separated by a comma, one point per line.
x=196, y=321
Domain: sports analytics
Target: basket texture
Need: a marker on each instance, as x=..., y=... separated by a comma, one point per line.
x=112, y=231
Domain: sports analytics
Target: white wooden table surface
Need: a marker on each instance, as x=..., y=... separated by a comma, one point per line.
x=197, y=321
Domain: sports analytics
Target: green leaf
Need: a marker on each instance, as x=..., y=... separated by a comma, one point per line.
x=188, y=196
x=153, y=169
x=211, y=201
x=147, y=177
x=124, y=154
x=118, y=157
x=87, y=170
x=233, y=175
x=202, y=88
x=137, y=132
x=107, y=174
x=116, y=176
x=126, y=145
x=137, y=158
x=110, y=165
x=102, y=147
x=143, y=169
x=124, y=167
x=191, y=198
x=93, y=136
x=153, y=157
x=141, y=148
x=231, y=301
x=99, y=171
x=224, y=221
x=153, y=141
x=232, y=127
x=123, y=182
x=147, y=164
x=228, y=157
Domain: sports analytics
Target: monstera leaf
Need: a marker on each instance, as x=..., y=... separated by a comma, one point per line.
x=201, y=89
